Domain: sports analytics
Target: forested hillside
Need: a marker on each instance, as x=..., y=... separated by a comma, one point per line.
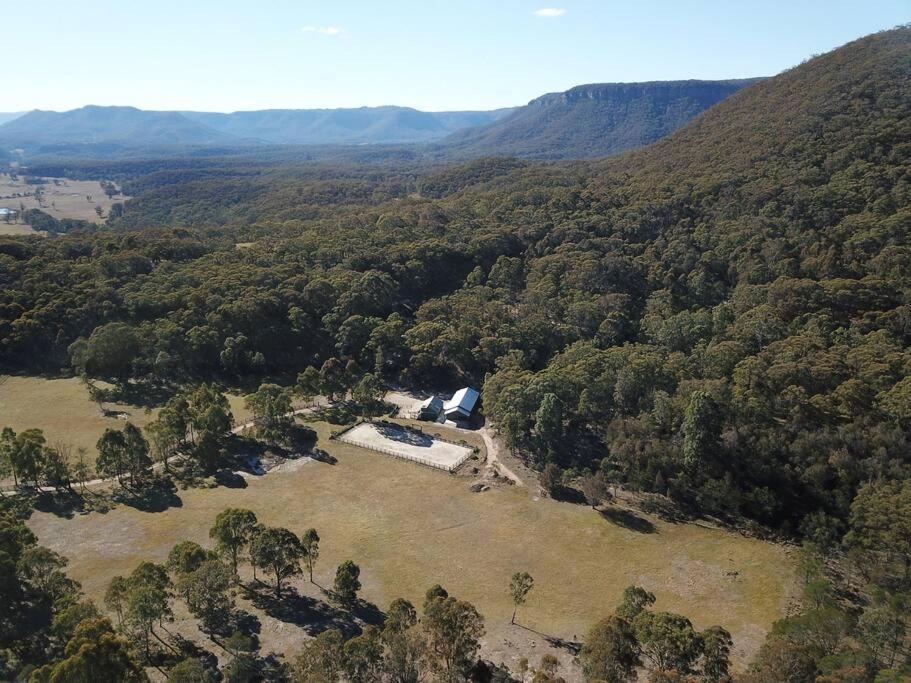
x=593, y=120
x=722, y=317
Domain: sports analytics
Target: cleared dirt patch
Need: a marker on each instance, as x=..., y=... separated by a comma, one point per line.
x=408, y=444
x=409, y=403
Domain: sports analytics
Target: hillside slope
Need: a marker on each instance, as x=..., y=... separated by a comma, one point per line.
x=825, y=114
x=9, y=116
x=594, y=120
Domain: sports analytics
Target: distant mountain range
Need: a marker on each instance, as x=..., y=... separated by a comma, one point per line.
x=586, y=121
x=102, y=125
x=133, y=127
x=365, y=125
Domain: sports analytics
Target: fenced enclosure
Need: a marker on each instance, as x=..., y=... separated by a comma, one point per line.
x=407, y=444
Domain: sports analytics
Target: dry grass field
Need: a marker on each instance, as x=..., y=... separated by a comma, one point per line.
x=409, y=527
x=63, y=409
x=15, y=228
x=63, y=198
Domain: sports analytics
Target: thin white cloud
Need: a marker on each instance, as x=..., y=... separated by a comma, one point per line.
x=323, y=30
x=550, y=12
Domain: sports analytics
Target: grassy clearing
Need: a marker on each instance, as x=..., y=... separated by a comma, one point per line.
x=238, y=409
x=63, y=409
x=408, y=527
x=64, y=198
x=16, y=229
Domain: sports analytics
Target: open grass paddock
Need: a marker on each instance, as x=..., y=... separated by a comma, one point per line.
x=63, y=198
x=63, y=409
x=409, y=527
x=66, y=413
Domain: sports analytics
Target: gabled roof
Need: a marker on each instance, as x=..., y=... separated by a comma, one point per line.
x=433, y=403
x=464, y=400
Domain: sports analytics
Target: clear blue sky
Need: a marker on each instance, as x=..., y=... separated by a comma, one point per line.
x=228, y=55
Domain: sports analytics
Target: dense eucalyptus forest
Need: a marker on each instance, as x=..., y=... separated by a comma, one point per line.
x=722, y=318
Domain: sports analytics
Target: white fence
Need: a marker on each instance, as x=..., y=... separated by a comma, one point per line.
x=406, y=456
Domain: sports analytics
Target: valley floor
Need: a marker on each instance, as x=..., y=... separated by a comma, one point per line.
x=62, y=198
x=409, y=527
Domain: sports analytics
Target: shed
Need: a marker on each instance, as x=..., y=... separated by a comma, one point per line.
x=431, y=408
x=462, y=404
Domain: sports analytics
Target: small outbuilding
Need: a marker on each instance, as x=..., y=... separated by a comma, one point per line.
x=431, y=409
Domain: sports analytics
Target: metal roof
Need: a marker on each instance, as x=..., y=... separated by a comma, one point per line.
x=463, y=400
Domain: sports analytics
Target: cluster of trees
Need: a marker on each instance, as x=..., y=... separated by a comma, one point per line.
x=271, y=408
x=124, y=453
x=204, y=580
x=443, y=643
x=836, y=640
x=30, y=460
x=48, y=632
x=195, y=423
x=336, y=379
x=42, y=221
x=278, y=551
x=666, y=644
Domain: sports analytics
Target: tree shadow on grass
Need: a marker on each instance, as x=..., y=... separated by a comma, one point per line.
x=301, y=438
x=252, y=456
x=628, y=520
x=230, y=479
x=66, y=505
x=314, y=616
x=320, y=455
x=244, y=454
x=665, y=508
x=554, y=641
x=156, y=497
x=246, y=623
x=368, y=613
x=189, y=648
x=403, y=434
x=143, y=394
x=566, y=494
